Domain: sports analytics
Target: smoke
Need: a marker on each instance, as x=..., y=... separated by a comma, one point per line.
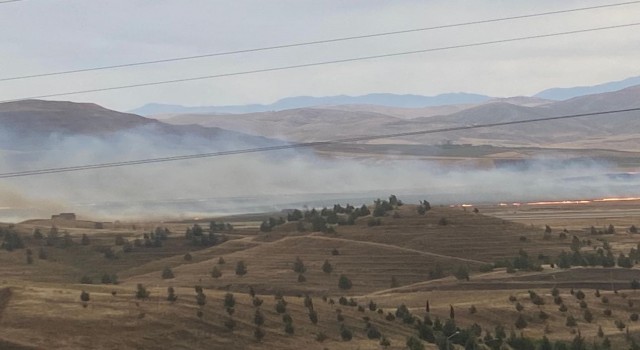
x=267, y=181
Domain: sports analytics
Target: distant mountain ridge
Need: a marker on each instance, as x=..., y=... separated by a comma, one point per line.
x=561, y=94
x=383, y=99
x=380, y=99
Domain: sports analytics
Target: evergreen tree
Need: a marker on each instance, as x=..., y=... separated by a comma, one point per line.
x=344, y=283
x=298, y=266
x=141, y=292
x=167, y=273
x=326, y=267
x=84, y=297
x=241, y=268
x=215, y=272
x=171, y=295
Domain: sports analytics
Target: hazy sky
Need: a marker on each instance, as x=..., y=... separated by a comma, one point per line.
x=39, y=36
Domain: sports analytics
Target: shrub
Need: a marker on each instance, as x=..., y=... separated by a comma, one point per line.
x=344, y=283
x=414, y=343
x=520, y=323
x=258, y=318
x=298, y=266
x=313, y=316
x=241, y=268
x=167, y=273
x=171, y=294
x=326, y=267
x=320, y=337
x=215, y=273
x=346, y=334
x=142, y=292
x=588, y=316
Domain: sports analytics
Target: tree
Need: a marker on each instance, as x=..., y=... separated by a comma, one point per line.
x=201, y=299
x=229, y=301
x=452, y=314
x=171, y=295
x=258, y=318
x=326, y=267
x=588, y=316
x=344, y=283
x=188, y=257
x=571, y=321
x=298, y=266
x=141, y=292
x=167, y=273
x=281, y=306
x=313, y=316
x=241, y=268
x=414, y=343
x=345, y=333
x=462, y=272
x=85, y=239
x=84, y=297
x=521, y=323
x=288, y=328
x=215, y=273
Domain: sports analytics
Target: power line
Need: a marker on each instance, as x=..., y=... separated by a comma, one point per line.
x=8, y=1
x=298, y=145
x=314, y=64
x=316, y=42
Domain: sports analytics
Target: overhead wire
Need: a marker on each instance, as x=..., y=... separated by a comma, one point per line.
x=315, y=42
x=300, y=145
x=322, y=63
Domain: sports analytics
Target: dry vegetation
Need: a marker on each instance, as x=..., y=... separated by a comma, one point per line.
x=405, y=258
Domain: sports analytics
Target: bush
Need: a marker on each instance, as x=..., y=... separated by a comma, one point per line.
x=298, y=266
x=86, y=280
x=326, y=267
x=521, y=323
x=241, y=268
x=171, y=294
x=167, y=273
x=414, y=343
x=215, y=273
x=346, y=334
x=142, y=292
x=320, y=337
x=344, y=283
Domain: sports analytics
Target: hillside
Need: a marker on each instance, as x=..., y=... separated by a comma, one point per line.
x=35, y=124
x=619, y=132
x=408, y=258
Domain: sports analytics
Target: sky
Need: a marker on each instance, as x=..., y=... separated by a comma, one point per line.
x=41, y=36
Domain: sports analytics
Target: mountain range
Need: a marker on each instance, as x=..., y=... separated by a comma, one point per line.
x=616, y=131
x=378, y=99
x=34, y=125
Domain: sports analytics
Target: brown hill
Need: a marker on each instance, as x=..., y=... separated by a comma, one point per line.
x=33, y=124
x=616, y=131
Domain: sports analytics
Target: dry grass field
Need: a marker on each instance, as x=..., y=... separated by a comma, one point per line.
x=392, y=263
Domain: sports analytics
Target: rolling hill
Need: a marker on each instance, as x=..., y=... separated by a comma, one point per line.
x=618, y=132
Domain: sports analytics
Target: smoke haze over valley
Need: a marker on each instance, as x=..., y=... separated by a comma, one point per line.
x=539, y=161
